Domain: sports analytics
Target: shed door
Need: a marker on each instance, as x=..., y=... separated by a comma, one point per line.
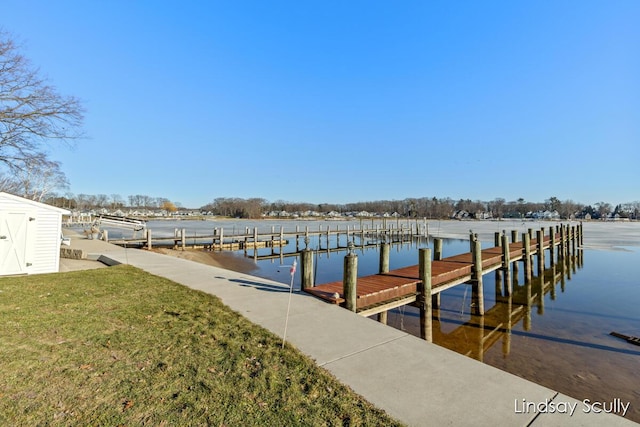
x=16, y=242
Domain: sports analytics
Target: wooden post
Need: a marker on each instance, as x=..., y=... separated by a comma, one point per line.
x=497, y=240
x=437, y=256
x=183, y=238
x=506, y=264
x=526, y=242
x=477, y=294
x=573, y=239
x=148, y=238
x=581, y=233
x=382, y=317
x=273, y=238
x=514, y=239
x=349, y=280
x=306, y=236
x=328, y=233
x=281, y=238
x=105, y=235
x=424, y=297
x=552, y=245
x=385, y=248
x=540, y=238
x=437, y=248
x=306, y=259
x=561, y=247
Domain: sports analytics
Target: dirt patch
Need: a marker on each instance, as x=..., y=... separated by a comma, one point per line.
x=227, y=260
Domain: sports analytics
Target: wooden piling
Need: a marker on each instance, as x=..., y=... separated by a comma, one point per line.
x=183, y=238
x=148, y=238
x=506, y=264
x=349, y=280
x=385, y=249
x=514, y=239
x=306, y=261
x=540, y=250
x=437, y=256
x=526, y=241
x=424, y=296
x=477, y=295
x=581, y=233
x=382, y=317
x=437, y=248
x=552, y=245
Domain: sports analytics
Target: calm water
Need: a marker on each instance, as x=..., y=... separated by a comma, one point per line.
x=554, y=332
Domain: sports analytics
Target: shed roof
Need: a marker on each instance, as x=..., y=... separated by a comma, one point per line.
x=33, y=203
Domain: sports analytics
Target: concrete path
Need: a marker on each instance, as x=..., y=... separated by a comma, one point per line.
x=414, y=381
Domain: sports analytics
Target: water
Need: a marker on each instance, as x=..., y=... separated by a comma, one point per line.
x=560, y=340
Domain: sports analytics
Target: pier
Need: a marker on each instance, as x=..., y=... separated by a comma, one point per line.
x=421, y=284
x=328, y=239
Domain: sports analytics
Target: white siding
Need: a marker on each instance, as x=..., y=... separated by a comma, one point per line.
x=46, y=228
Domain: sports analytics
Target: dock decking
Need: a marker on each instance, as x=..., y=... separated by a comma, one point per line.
x=380, y=292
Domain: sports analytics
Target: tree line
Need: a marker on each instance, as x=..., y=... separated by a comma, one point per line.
x=423, y=207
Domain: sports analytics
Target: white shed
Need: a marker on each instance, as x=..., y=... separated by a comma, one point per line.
x=29, y=236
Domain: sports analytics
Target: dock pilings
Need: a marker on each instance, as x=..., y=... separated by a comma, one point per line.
x=565, y=238
x=306, y=269
x=424, y=294
x=477, y=294
x=349, y=280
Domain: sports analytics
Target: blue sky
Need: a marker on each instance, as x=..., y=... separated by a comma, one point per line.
x=337, y=102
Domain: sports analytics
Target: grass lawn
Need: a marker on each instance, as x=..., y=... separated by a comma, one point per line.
x=117, y=346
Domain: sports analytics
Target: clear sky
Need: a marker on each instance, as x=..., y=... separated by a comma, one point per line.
x=345, y=101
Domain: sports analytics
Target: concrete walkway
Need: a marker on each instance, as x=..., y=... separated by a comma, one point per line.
x=414, y=381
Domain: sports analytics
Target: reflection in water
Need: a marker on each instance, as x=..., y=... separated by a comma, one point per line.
x=553, y=329
x=479, y=333
x=474, y=335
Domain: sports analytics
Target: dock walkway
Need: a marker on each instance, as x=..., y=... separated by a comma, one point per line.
x=382, y=291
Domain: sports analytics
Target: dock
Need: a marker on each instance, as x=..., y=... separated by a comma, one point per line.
x=421, y=284
x=326, y=239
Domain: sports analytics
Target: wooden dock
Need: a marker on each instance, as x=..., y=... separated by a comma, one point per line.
x=327, y=239
x=421, y=284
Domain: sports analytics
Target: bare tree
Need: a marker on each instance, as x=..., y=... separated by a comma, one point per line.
x=8, y=184
x=38, y=177
x=32, y=113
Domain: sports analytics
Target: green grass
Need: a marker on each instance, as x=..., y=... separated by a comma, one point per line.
x=118, y=346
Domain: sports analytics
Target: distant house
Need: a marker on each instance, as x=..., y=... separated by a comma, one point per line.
x=30, y=234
